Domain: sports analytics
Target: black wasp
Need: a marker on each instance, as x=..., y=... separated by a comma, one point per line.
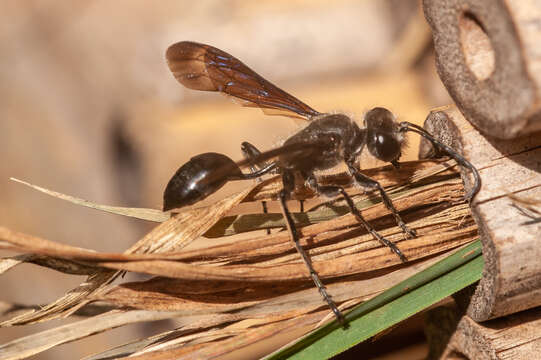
x=327, y=140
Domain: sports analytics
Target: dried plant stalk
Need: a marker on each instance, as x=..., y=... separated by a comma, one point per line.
x=231, y=294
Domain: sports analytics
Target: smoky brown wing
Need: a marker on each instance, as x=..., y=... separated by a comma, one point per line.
x=203, y=67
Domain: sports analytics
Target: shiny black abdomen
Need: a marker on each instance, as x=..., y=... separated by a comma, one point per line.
x=203, y=175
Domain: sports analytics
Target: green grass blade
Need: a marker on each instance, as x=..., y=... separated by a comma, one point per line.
x=420, y=291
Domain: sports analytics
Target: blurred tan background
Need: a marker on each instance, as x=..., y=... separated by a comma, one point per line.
x=89, y=108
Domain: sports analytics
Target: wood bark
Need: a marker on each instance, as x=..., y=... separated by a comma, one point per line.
x=489, y=59
x=511, y=337
x=510, y=170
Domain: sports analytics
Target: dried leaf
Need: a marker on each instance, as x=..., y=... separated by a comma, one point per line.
x=174, y=233
x=433, y=237
x=237, y=293
x=36, y=343
x=139, y=213
x=65, y=305
x=8, y=263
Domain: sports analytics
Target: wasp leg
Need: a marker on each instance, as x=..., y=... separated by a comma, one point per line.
x=333, y=191
x=251, y=152
x=366, y=182
x=289, y=185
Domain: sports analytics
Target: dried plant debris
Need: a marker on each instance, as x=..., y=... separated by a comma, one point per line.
x=139, y=213
x=236, y=293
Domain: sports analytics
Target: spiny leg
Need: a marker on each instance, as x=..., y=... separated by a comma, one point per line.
x=288, y=180
x=333, y=191
x=366, y=182
x=251, y=152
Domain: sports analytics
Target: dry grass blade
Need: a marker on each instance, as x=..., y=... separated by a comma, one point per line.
x=185, y=227
x=139, y=213
x=437, y=231
x=207, y=347
x=174, y=233
x=387, y=176
x=36, y=343
x=66, y=304
x=9, y=308
x=8, y=263
x=237, y=293
x=246, y=298
x=276, y=308
x=62, y=265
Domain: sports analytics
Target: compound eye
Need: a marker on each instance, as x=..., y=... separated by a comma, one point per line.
x=385, y=147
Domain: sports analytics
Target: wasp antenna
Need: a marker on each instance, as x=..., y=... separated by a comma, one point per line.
x=407, y=126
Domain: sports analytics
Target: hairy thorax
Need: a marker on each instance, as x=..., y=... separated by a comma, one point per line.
x=324, y=143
